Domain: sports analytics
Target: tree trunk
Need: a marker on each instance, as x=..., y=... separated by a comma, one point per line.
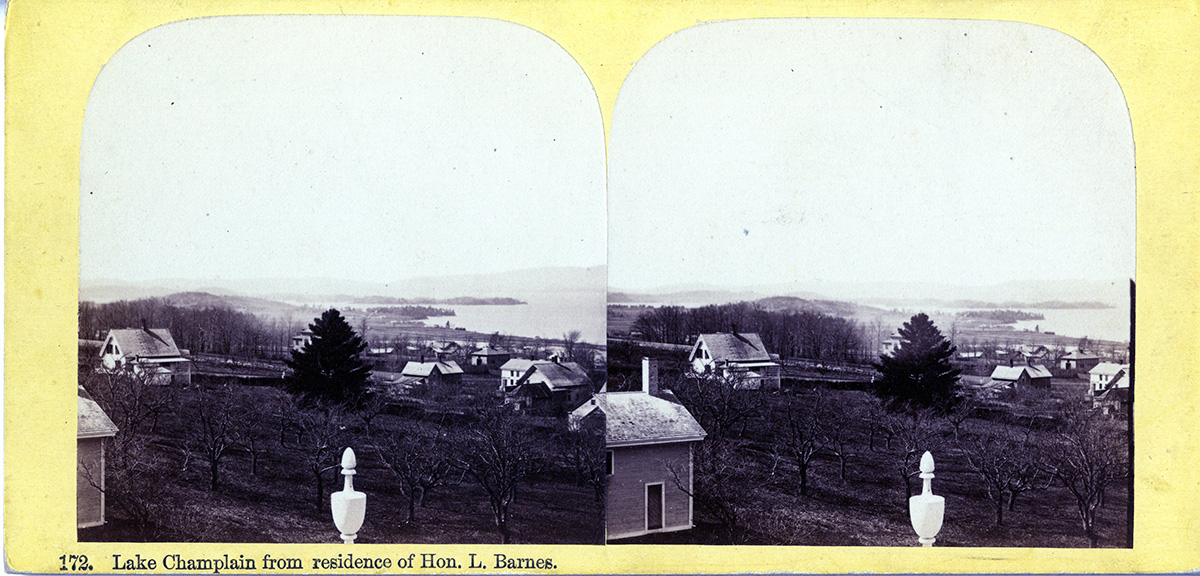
x=253, y=463
x=1000, y=511
x=213, y=469
x=842, y=470
x=320, y=489
x=412, y=505
x=804, y=479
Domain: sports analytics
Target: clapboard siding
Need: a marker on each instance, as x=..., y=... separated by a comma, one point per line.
x=89, y=500
x=633, y=468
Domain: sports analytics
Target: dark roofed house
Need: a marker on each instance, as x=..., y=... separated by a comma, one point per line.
x=148, y=352
x=490, y=357
x=734, y=355
x=442, y=376
x=94, y=427
x=547, y=386
x=1016, y=378
x=649, y=437
x=1080, y=362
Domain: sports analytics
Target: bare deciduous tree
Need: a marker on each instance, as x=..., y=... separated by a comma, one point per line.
x=320, y=434
x=801, y=427
x=721, y=484
x=500, y=451
x=719, y=402
x=216, y=431
x=570, y=340
x=1091, y=454
x=915, y=433
x=583, y=450
x=419, y=457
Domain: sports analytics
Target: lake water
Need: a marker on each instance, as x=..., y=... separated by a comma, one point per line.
x=546, y=315
x=1096, y=324
x=1102, y=324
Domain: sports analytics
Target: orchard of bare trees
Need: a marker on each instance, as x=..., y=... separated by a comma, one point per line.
x=821, y=466
x=222, y=461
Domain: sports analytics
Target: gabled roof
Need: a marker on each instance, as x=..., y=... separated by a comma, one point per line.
x=1038, y=371
x=1007, y=372
x=726, y=347
x=1108, y=368
x=145, y=342
x=637, y=418
x=555, y=375
x=423, y=369
x=93, y=422
x=1012, y=373
x=518, y=364
x=489, y=351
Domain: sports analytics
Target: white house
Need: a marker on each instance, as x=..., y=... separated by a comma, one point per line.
x=147, y=352
x=304, y=338
x=1104, y=374
x=741, y=356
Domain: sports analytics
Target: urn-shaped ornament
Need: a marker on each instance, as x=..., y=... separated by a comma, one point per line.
x=927, y=510
x=349, y=505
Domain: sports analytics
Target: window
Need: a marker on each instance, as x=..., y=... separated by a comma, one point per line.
x=608, y=462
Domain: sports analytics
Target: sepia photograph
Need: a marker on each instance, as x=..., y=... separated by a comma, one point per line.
x=328, y=256
x=870, y=284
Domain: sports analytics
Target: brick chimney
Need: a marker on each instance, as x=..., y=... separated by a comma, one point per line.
x=649, y=376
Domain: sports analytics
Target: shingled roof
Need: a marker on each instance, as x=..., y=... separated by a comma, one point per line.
x=423, y=369
x=145, y=342
x=93, y=422
x=555, y=375
x=725, y=347
x=637, y=418
x=1014, y=372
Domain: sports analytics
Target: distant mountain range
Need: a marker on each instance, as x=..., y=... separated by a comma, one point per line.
x=514, y=285
x=1067, y=294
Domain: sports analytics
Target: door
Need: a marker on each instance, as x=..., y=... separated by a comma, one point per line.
x=654, y=506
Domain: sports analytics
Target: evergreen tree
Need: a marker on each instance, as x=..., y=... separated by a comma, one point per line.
x=329, y=370
x=918, y=374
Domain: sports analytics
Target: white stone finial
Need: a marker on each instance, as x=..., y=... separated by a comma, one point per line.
x=349, y=505
x=927, y=510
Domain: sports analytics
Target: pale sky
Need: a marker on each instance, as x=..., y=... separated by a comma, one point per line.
x=369, y=148
x=775, y=151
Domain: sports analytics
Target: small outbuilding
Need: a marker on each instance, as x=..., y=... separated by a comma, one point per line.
x=649, y=438
x=94, y=428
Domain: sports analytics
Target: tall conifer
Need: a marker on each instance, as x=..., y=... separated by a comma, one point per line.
x=918, y=373
x=329, y=370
